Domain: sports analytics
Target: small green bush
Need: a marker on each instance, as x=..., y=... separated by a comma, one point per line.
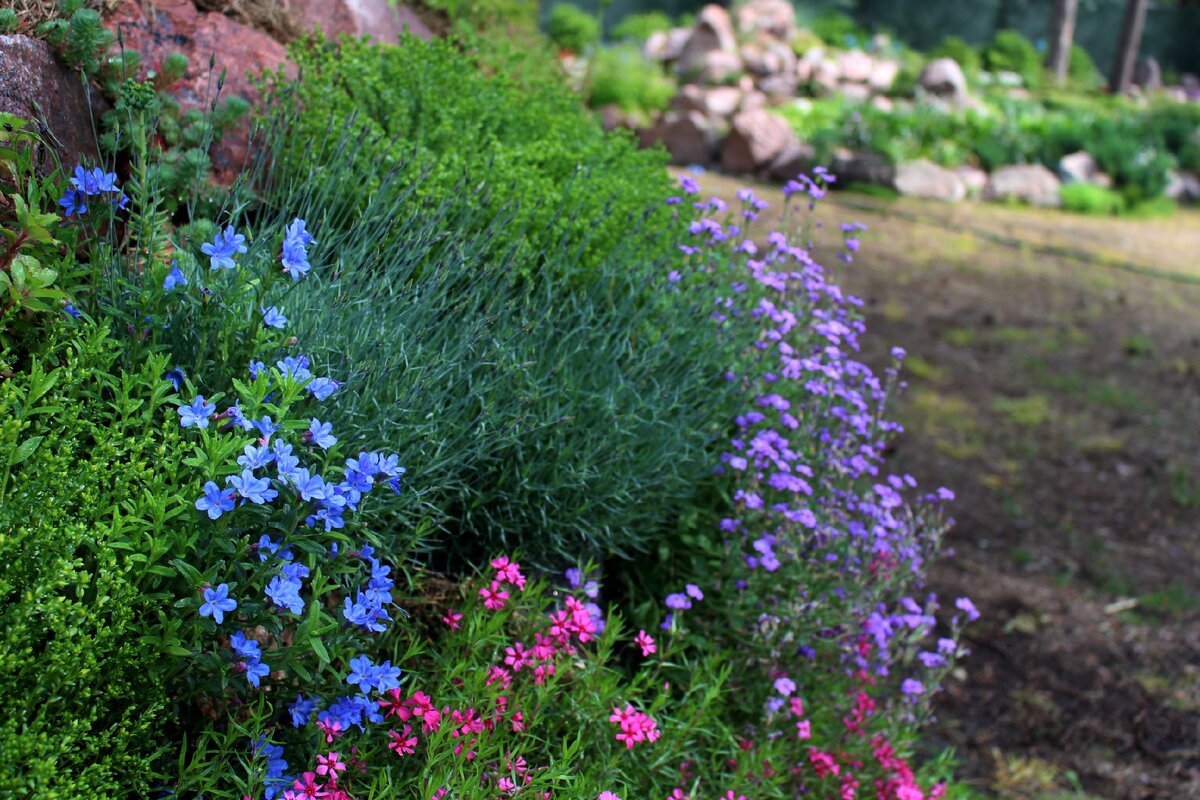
x=622, y=75
x=967, y=56
x=641, y=26
x=572, y=28
x=1009, y=50
x=1081, y=70
x=839, y=30
x=1087, y=198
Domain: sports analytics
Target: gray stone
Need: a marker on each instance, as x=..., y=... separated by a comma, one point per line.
x=775, y=17
x=796, y=158
x=862, y=167
x=666, y=45
x=928, y=181
x=944, y=78
x=689, y=138
x=1029, y=183
x=856, y=66
x=973, y=178
x=38, y=88
x=1183, y=187
x=883, y=75
x=712, y=33
x=1148, y=74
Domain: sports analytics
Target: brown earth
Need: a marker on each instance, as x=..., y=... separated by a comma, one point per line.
x=1054, y=384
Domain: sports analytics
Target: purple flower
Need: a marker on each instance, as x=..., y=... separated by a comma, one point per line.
x=256, y=671
x=73, y=202
x=679, y=602
x=912, y=687
x=965, y=605
x=295, y=250
x=224, y=246
x=693, y=591
x=591, y=589
x=216, y=602
x=785, y=686
x=574, y=577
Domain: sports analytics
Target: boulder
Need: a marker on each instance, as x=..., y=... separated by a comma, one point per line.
x=768, y=57
x=713, y=32
x=376, y=19
x=240, y=51
x=853, y=166
x=666, y=45
x=855, y=92
x=1147, y=75
x=756, y=138
x=1081, y=167
x=612, y=116
x=775, y=17
x=778, y=87
x=883, y=75
x=856, y=66
x=38, y=88
x=928, y=181
x=689, y=137
x=796, y=158
x=973, y=178
x=826, y=77
x=1183, y=187
x=1029, y=183
x=719, y=67
x=718, y=102
x=806, y=66
x=752, y=100
x=944, y=78
x=884, y=104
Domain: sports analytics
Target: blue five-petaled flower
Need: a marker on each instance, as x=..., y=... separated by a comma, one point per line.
x=216, y=602
x=256, y=490
x=197, y=413
x=174, y=278
x=215, y=501
x=224, y=246
x=273, y=317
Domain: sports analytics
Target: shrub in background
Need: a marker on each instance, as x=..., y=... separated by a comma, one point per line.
x=572, y=28
x=641, y=26
x=839, y=30
x=621, y=75
x=1010, y=51
x=967, y=56
x=1087, y=198
x=1081, y=70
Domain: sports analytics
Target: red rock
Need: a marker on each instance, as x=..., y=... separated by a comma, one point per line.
x=689, y=137
x=36, y=86
x=756, y=139
x=241, y=51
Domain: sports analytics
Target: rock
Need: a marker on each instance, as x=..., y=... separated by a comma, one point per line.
x=690, y=137
x=719, y=67
x=856, y=66
x=927, y=180
x=38, y=88
x=377, y=19
x=883, y=75
x=712, y=33
x=973, y=178
x=775, y=17
x=756, y=138
x=666, y=45
x=718, y=102
x=752, y=100
x=1029, y=183
x=768, y=57
x=1182, y=187
x=796, y=158
x=855, y=92
x=612, y=116
x=806, y=66
x=1147, y=75
x=883, y=104
x=944, y=78
x=778, y=87
x=826, y=77
x=862, y=167
x=1081, y=167
x=241, y=51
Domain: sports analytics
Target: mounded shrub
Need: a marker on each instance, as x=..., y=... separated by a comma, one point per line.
x=621, y=75
x=1010, y=51
x=572, y=28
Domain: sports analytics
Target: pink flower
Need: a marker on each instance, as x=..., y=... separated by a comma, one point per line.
x=679, y=794
x=635, y=726
x=518, y=722
x=803, y=730
x=607, y=796
x=331, y=728
x=541, y=672
x=500, y=676
x=404, y=743
x=729, y=796
x=797, y=706
x=493, y=596
x=508, y=572
x=517, y=656
x=452, y=619
x=330, y=765
x=647, y=644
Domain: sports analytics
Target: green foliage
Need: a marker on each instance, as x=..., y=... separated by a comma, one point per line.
x=967, y=56
x=839, y=30
x=34, y=264
x=79, y=37
x=572, y=28
x=496, y=17
x=1081, y=70
x=82, y=454
x=622, y=75
x=425, y=108
x=10, y=23
x=1010, y=51
x=1087, y=198
x=639, y=27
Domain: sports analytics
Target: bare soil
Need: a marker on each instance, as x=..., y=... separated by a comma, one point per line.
x=1054, y=384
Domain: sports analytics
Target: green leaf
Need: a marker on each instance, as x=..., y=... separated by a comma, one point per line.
x=25, y=450
x=319, y=649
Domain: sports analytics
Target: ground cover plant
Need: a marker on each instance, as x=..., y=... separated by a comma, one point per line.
x=276, y=402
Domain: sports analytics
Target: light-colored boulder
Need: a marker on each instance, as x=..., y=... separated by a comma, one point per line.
x=1029, y=183
x=775, y=17
x=380, y=20
x=944, y=78
x=719, y=67
x=778, y=87
x=1183, y=187
x=806, y=65
x=856, y=66
x=716, y=101
x=973, y=178
x=884, y=104
x=666, y=45
x=756, y=138
x=768, y=57
x=827, y=77
x=1147, y=75
x=1081, y=167
x=855, y=92
x=883, y=75
x=712, y=33
x=928, y=181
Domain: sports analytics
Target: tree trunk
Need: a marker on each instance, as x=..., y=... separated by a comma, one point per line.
x=1128, y=45
x=1062, y=34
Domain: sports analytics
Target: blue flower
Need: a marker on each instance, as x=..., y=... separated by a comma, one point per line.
x=285, y=593
x=215, y=502
x=174, y=278
x=73, y=203
x=235, y=415
x=256, y=490
x=321, y=388
x=197, y=413
x=319, y=433
x=256, y=457
x=256, y=671
x=310, y=487
x=266, y=547
x=273, y=317
x=73, y=311
x=94, y=181
x=362, y=674
x=295, y=253
x=176, y=377
x=295, y=367
x=245, y=648
x=256, y=367
x=302, y=710
x=224, y=246
x=266, y=426
x=216, y=602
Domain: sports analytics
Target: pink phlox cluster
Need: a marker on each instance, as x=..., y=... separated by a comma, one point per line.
x=635, y=726
x=403, y=743
x=493, y=596
x=574, y=620
x=508, y=572
x=646, y=642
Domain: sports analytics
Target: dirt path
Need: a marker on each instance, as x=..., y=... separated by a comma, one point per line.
x=1054, y=383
